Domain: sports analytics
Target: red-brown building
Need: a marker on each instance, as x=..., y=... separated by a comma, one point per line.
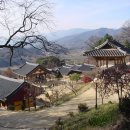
x=18, y=94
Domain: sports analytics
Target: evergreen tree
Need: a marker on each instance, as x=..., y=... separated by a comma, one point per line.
x=127, y=44
x=103, y=39
x=50, y=61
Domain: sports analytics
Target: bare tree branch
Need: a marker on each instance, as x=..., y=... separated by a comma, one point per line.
x=2, y=4
x=23, y=19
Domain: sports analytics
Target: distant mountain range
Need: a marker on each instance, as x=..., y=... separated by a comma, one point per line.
x=64, y=33
x=78, y=40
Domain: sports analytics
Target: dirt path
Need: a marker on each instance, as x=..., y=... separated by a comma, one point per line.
x=45, y=118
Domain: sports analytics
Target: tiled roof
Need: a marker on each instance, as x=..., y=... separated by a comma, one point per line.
x=105, y=52
x=104, y=49
x=112, y=43
x=86, y=68
x=7, y=86
x=25, y=69
x=65, y=70
x=76, y=67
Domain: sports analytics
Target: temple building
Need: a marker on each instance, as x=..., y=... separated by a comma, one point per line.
x=17, y=94
x=32, y=73
x=110, y=52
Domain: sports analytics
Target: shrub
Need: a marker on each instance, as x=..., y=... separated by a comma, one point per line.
x=82, y=107
x=110, y=102
x=74, y=77
x=58, y=124
x=71, y=114
x=86, y=79
x=124, y=107
x=59, y=121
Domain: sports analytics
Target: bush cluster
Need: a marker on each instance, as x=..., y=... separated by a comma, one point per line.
x=82, y=107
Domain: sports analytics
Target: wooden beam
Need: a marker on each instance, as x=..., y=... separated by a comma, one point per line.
x=106, y=63
x=96, y=62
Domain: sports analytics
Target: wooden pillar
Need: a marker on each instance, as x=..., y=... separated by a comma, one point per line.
x=117, y=61
x=106, y=63
x=114, y=61
x=103, y=62
x=100, y=62
x=121, y=61
x=124, y=60
x=28, y=103
x=34, y=97
x=96, y=62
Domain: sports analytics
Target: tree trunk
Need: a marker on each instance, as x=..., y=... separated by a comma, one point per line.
x=102, y=100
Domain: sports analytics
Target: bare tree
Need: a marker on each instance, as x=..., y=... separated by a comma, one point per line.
x=126, y=29
x=125, y=33
x=103, y=90
x=22, y=23
x=2, y=3
x=116, y=80
x=92, y=42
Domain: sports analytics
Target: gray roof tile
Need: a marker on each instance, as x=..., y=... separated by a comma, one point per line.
x=85, y=68
x=103, y=50
x=64, y=70
x=7, y=87
x=25, y=69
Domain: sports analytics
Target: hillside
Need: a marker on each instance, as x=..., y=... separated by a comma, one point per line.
x=20, y=55
x=24, y=54
x=77, y=41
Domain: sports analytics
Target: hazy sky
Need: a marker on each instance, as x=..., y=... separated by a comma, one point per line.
x=91, y=13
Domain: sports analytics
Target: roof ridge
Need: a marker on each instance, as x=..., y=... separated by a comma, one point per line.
x=121, y=50
x=78, y=64
x=98, y=47
x=33, y=64
x=11, y=79
x=110, y=42
x=66, y=66
x=109, y=49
